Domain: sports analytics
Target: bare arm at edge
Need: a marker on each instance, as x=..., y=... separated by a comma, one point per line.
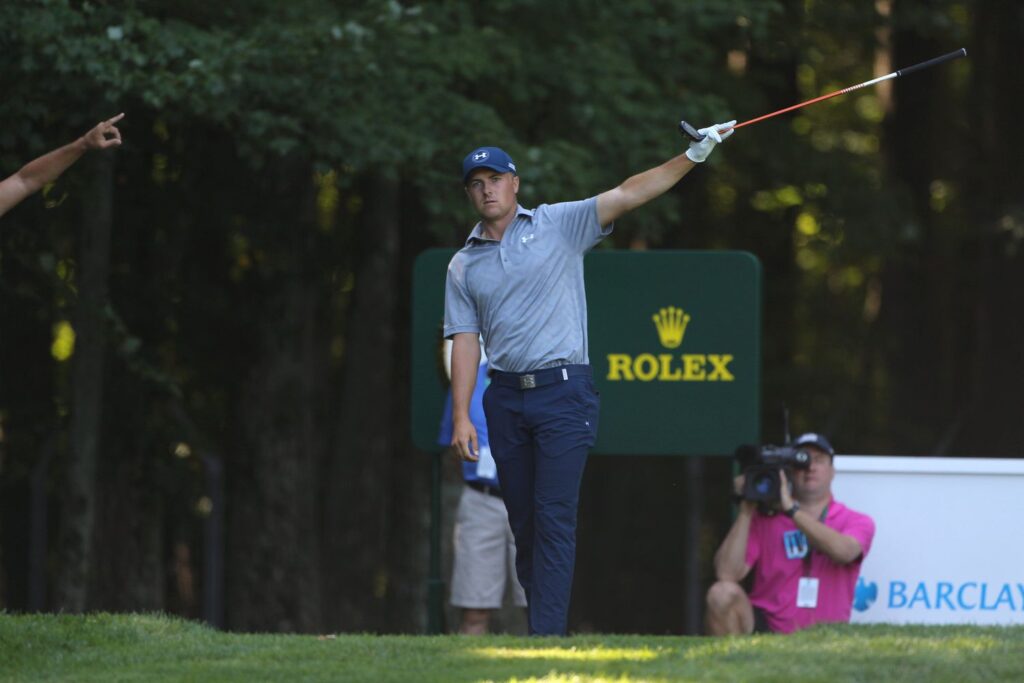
x=37, y=173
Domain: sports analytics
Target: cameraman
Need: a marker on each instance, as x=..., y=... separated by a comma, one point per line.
x=805, y=551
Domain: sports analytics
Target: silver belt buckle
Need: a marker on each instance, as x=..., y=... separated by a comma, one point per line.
x=528, y=381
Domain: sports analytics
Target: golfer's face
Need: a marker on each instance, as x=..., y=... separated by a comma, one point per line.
x=493, y=194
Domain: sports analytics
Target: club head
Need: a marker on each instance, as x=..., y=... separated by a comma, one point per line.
x=689, y=131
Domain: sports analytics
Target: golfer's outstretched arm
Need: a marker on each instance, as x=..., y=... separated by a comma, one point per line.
x=47, y=168
x=639, y=189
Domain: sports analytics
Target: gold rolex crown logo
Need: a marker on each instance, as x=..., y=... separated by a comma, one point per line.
x=671, y=323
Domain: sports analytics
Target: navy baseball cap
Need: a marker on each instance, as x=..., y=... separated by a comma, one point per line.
x=812, y=439
x=487, y=157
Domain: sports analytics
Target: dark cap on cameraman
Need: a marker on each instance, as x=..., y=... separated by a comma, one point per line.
x=812, y=439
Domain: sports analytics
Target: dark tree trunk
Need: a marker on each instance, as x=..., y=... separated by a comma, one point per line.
x=781, y=292
x=994, y=422
x=918, y=305
x=273, y=556
x=273, y=579
x=78, y=513
x=130, y=568
x=953, y=295
x=365, y=488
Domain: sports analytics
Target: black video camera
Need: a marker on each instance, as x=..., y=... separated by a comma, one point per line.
x=761, y=466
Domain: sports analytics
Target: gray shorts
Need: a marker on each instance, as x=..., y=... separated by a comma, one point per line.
x=485, y=553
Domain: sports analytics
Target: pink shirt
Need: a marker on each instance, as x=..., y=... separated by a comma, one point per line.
x=776, y=576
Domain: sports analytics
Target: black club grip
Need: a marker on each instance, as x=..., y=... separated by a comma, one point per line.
x=932, y=62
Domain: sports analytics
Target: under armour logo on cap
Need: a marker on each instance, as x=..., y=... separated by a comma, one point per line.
x=493, y=158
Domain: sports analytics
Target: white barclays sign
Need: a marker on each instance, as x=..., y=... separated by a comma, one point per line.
x=946, y=549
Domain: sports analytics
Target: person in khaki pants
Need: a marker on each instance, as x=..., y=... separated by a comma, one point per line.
x=485, y=552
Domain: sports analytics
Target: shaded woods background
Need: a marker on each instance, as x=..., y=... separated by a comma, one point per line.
x=231, y=288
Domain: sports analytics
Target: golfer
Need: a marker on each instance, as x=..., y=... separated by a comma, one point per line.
x=518, y=281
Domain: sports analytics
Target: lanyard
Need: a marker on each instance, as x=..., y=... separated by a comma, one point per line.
x=810, y=551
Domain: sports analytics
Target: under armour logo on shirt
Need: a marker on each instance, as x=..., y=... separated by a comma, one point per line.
x=526, y=238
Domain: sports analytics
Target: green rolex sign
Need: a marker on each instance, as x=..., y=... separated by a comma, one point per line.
x=674, y=343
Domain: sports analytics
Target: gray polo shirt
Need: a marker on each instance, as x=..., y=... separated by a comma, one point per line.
x=525, y=293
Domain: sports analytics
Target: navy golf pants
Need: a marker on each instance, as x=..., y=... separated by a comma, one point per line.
x=539, y=438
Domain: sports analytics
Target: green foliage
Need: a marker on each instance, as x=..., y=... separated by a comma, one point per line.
x=155, y=648
x=397, y=89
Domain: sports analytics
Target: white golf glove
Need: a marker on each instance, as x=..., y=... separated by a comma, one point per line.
x=699, y=151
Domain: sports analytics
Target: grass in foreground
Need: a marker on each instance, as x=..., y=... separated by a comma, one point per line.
x=105, y=647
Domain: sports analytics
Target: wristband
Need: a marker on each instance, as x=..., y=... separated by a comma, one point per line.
x=792, y=511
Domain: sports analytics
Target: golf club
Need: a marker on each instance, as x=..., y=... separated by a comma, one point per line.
x=691, y=132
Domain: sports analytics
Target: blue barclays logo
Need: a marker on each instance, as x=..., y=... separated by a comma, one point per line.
x=943, y=595
x=864, y=594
